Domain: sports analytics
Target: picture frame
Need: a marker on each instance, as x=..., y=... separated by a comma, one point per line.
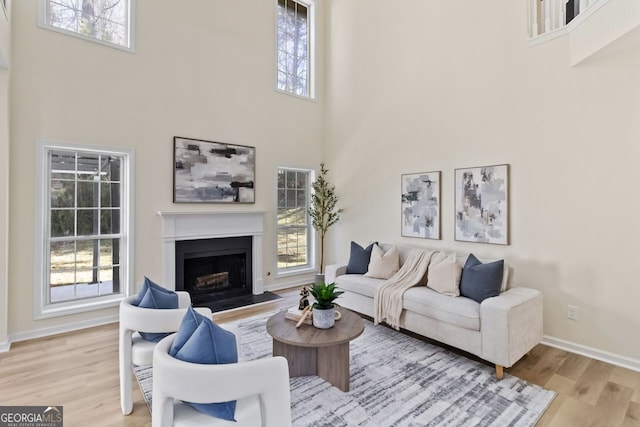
x=212, y=172
x=482, y=204
x=421, y=206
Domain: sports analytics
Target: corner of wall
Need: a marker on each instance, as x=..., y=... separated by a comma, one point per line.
x=5, y=47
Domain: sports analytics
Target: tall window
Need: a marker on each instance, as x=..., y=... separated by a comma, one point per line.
x=295, y=37
x=84, y=218
x=295, y=236
x=105, y=21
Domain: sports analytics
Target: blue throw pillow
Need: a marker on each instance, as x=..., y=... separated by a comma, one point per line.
x=481, y=281
x=155, y=296
x=199, y=340
x=359, y=258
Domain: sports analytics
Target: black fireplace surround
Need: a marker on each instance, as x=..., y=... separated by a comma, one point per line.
x=214, y=270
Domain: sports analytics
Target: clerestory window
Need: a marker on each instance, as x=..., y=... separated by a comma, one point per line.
x=104, y=21
x=295, y=35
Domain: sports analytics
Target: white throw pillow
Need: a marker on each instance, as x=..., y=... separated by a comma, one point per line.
x=444, y=274
x=505, y=277
x=383, y=265
x=438, y=257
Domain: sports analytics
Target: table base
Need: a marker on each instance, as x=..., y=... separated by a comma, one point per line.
x=330, y=363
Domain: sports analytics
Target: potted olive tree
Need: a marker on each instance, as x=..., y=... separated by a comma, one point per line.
x=323, y=212
x=324, y=308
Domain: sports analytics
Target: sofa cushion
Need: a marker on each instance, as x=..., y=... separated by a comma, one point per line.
x=507, y=276
x=481, y=281
x=462, y=312
x=444, y=274
x=359, y=258
x=383, y=264
x=358, y=284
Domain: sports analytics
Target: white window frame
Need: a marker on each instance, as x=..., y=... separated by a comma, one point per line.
x=311, y=96
x=310, y=267
x=42, y=23
x=42, y=308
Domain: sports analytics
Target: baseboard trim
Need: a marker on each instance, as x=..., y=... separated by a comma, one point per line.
x=5, y=346
x=60, y=329
x=593, y=353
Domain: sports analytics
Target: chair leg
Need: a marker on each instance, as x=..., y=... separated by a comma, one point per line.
x=126, y=387
x=499, y=371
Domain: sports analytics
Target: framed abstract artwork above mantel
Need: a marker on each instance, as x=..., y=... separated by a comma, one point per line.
x=421, y=205
x=482, y=204
x=212, y=172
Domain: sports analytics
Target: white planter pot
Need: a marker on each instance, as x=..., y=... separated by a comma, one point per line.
x=324, y=319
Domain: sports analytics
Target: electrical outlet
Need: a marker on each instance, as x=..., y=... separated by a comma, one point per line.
x=572, y=312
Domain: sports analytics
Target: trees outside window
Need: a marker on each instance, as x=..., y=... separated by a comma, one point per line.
x=105, y=21
x=294, y=47
x=294, y=237
x=84, y=222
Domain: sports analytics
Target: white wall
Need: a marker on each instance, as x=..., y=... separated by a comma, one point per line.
x=422, y=86
x=203, y=71
x=5, y=61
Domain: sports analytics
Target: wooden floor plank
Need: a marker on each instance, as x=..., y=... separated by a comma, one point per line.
x=573, y=366
x=625, y=377
x=575, y=412
x=549, y=360
x=628, y=378
x=592, y=382
x=560, y=384
x=552, y=410
x=632, y=417
x=613, y=403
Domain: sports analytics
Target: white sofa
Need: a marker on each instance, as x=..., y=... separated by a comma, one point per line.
x=499, y=330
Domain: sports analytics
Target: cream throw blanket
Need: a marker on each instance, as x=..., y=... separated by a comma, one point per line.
x=388, y=297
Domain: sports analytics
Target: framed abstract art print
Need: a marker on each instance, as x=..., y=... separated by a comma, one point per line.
x=212, y=172
x=421, y=205
x=482, y=204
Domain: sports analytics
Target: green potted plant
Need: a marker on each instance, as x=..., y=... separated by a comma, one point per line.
x=323, y=211
x=324, y=307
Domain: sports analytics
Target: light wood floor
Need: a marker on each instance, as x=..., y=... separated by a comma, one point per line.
x=79, y=371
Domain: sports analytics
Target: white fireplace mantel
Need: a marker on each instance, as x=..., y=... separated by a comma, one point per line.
x=177, y=226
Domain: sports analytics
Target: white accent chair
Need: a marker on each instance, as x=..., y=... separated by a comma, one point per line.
x=134, y=350
x=261, y=388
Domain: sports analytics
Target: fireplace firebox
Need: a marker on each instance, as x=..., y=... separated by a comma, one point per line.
x=214, y=270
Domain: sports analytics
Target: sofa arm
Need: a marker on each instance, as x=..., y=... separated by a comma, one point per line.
x=334, y=270
x=511, y=325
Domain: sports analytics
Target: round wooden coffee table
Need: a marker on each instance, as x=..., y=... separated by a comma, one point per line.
x=313, y=351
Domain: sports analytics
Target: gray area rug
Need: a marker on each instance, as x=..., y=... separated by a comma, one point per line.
x=398, y=380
